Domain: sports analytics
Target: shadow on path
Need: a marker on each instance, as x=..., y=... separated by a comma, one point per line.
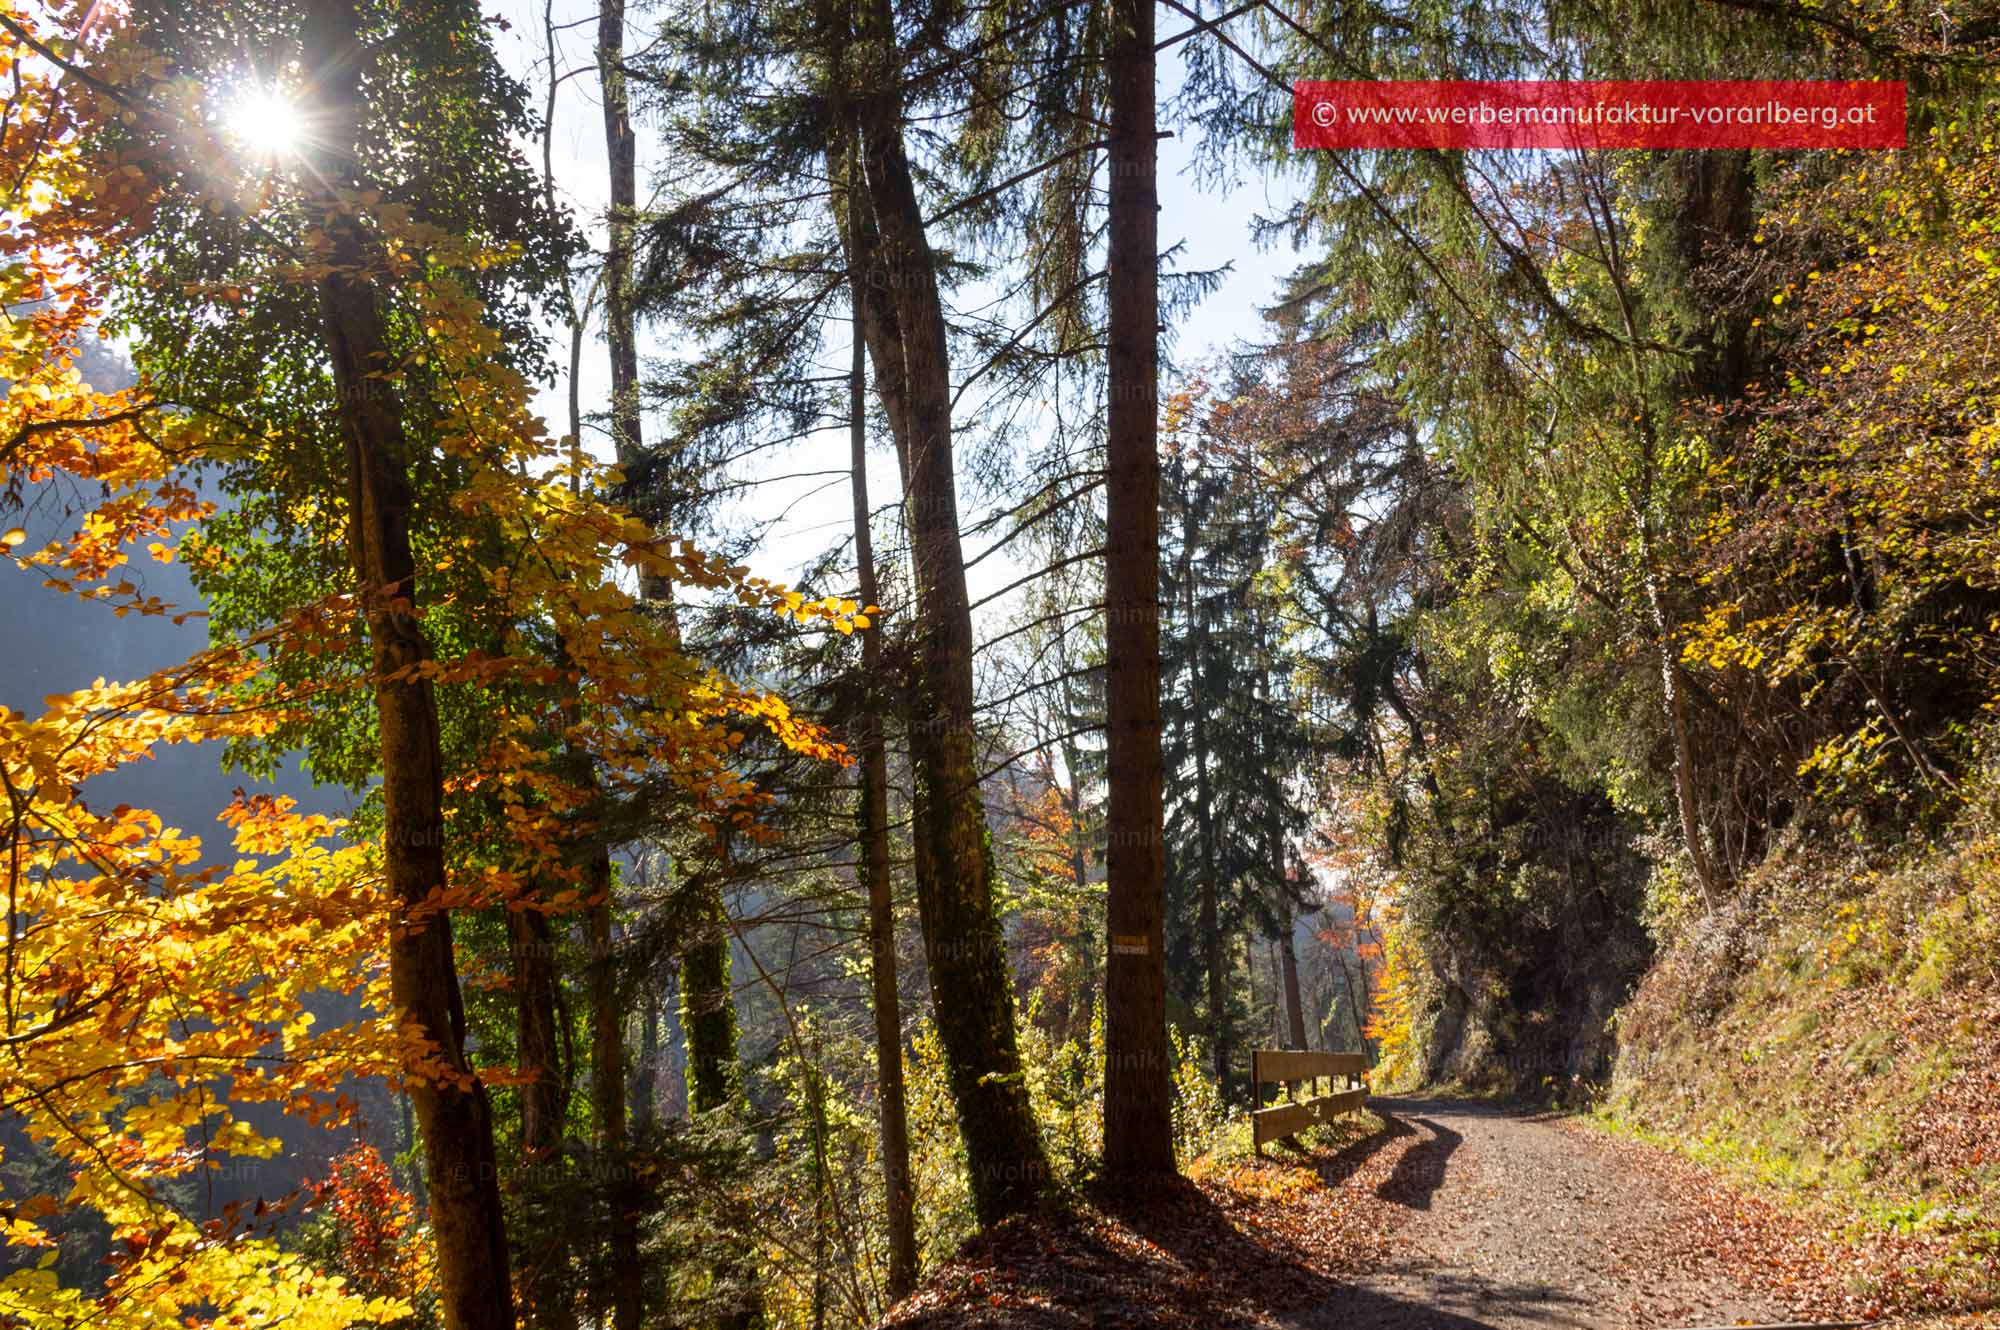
x=1172, y=1259
x=1344, y=1165
x=1449, y=1301
x=1420, y=1172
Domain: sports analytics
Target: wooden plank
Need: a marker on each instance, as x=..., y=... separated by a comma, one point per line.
x=1272, y=1124
x=1296, y=1064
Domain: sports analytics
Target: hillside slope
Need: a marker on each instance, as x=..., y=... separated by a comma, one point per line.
x=1838, y=1046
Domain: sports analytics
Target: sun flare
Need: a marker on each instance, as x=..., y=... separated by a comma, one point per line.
x=266, y=121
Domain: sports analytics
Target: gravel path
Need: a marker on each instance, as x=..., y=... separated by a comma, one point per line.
x=1516, y=1222
x=1442, y=1215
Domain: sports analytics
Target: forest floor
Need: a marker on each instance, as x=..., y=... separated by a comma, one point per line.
x=1431, y=1214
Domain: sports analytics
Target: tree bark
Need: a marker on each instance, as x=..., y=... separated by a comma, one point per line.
x=607, y=1013
x=1210, y=921
x=1686, y=796
x=708, y=1006
x=1687, y=792
x=451, y=1106
x=881, y=332
x=873, y=813
x=714, y=1075
x=1288, y=956
x=608, y=1053
x=544, y=1106
x=1212, y=965
x=621, y=152
x=1138, y=1124
x=531, y=944
x=646, y=1075
x=607, y=1035
x=973, y=994
x=607, y=1099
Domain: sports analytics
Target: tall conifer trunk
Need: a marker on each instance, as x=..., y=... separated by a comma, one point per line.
x=1209, y=921
x=646, y=1075
x=973, y=994
x=1138, y=1126
x=1288, y=957
x=873, y=814
x=708, y=1005
x=714, y=1075
x=1288, y=952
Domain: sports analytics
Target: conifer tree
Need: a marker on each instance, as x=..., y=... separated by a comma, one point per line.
x=1138, y=1128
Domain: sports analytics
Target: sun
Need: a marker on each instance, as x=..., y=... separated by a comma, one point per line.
x=265, y=121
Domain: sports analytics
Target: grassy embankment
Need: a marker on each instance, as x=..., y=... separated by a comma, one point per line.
x=1837, y=1047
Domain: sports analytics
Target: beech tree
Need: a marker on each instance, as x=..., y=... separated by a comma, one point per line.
x=451, y=1105
x=377, y=914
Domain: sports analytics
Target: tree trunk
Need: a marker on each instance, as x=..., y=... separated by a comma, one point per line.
x=1210, y=922
x=531, y=946
x=822, y=1193
x=1212, y=966
x=1364, y=1001
x=714, y=1076
x=1288, y=956
x=881, y=332
x=621, y=153
x=1686, y=792
x=1686, y=789
x=970, y=984
x=1277, y=1026
x=1274, y=830
x=607, y=1035
x=646, y=1075
x=607, y=1012
x=451, y=1106
x=708, y=1006
x=1138, y=1124
x=607, y=1099
x=544, y=1107
x=880, y=336
x=873, y=813
x=1686, y=797
x=411, y=1139
x=607, y=1024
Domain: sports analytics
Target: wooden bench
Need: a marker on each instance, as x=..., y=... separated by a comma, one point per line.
x=1289, y=1066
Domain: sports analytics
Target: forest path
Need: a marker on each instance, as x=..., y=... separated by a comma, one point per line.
x=1517, y=1221
x=1425, y=1214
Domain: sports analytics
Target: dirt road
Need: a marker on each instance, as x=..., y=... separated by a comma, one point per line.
x=1427, y=1215
x=1518, y=1222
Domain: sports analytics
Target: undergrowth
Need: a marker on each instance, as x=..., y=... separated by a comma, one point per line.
x=1834, y=1042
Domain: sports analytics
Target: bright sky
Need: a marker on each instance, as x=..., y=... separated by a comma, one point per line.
x=1214, y=227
